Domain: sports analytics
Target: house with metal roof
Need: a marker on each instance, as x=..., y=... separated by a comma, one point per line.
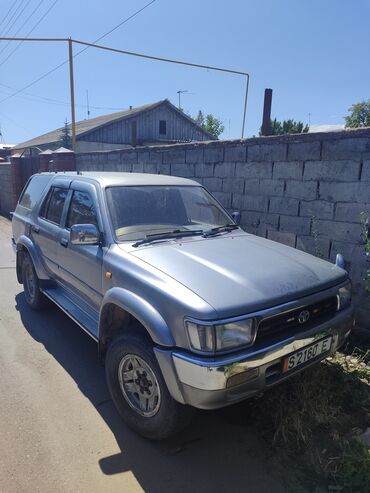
x=154, y=123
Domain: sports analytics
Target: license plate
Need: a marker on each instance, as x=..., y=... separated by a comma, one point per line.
x=307, y=353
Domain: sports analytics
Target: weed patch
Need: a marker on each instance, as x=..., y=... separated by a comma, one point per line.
x=317, y=418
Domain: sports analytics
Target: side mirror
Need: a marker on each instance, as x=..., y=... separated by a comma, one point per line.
x=84, y=234
x=339, y=261
x=237, y=217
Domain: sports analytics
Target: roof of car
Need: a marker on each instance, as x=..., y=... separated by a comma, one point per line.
x=106, y=178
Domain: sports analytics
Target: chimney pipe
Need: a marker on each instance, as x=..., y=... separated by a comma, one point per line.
x=266, y=122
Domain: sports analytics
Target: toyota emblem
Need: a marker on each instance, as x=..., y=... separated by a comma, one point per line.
x=303, y=316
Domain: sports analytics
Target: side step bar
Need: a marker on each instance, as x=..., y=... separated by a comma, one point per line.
x=77, y=310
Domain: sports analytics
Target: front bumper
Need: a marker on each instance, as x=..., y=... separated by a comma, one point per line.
x=212, y=383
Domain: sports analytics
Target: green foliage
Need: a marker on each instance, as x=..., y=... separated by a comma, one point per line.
x=286, y=127
x=200, y=119
x=350, y=469
x=359, y=115
x=316, y=419
x=210, y=124
x=65, y=139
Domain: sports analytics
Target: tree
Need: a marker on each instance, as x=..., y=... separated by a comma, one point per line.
x=287, y=127
x=360, y=115
x=210, y=124
x=200, y=119
x=65, y=139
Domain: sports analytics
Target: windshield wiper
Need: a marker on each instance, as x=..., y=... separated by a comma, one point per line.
x=220, y=229
x=176, y=233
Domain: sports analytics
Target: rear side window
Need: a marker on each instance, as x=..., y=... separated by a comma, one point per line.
x=53, y=206
x=33, y=191
x=81, y=210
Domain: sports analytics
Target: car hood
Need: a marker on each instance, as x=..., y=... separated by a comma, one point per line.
x=239, y=273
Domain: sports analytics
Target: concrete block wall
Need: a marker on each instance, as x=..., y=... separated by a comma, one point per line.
x=306, y=191
x=7, y=197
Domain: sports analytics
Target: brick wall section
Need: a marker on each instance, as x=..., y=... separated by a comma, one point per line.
x=14, y=175
x=306, y=191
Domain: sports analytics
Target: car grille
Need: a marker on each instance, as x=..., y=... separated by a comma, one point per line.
x=287, y=324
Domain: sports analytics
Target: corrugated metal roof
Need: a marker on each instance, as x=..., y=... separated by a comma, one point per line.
x=86, y=126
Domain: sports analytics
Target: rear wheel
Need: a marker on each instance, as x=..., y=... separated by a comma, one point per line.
x=139, y=391
x=31, y=285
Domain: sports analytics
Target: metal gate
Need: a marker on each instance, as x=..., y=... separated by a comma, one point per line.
x=28, y=167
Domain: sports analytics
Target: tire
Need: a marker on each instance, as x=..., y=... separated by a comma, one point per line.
x=151, y=412
x=31, y=285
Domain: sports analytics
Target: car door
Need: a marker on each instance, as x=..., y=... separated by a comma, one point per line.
x=46, y=230
x=80, y=266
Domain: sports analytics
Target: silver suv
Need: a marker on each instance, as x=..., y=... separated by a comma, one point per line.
x=188, y=310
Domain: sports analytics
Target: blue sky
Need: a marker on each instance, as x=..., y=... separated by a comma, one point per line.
x=313, y=54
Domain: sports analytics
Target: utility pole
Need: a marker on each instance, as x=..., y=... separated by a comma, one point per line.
x=70, y=41
x=245, y=103
x=72, y=90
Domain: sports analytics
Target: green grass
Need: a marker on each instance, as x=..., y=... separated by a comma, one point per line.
x=316, y=418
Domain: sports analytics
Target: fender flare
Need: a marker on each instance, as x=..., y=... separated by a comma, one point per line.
x=143, y=311
x=25, y=242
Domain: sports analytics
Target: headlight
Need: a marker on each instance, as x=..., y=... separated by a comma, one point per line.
x=344, y=295
x=220, y=337
x=234, y=334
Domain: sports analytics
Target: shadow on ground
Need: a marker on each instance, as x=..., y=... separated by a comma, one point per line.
x=218, y=452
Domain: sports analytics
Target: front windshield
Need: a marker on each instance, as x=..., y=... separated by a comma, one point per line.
x=138, y=211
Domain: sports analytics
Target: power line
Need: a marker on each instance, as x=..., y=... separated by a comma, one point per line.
x=32, y=83
x=136, y=54
x=17, y=17
x=11, y=17
x=6, y=15
x=49, y=72
x=121, y=23
x=57, y=102
x=31, y=31
x=14, y=122
x=19, y=29
x=125, y=52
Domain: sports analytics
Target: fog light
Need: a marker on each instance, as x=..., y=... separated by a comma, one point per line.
x=240, y=378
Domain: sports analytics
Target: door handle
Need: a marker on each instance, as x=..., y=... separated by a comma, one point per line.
x=64, y=242
x=35, y=228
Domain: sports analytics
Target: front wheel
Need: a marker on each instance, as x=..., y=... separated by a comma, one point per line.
x=34, y=297
x=139, y=391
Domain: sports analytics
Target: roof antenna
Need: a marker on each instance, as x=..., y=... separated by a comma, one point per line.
x=87, y=101
x=2, y=140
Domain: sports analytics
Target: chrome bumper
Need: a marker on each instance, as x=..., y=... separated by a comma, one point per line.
x=217, y=382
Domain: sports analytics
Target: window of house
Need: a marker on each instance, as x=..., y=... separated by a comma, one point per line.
x=162, y=127
x=81, y=210
x=52, y=208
